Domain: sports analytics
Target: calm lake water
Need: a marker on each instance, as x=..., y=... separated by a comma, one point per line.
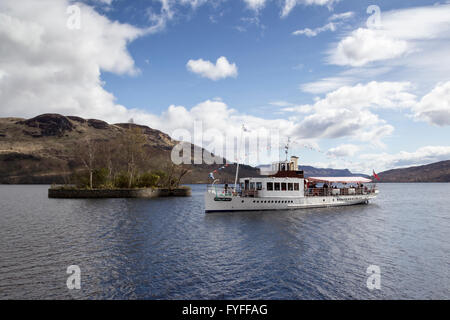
x=170, y=249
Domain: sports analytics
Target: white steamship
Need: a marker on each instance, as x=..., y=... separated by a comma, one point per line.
x=287, y=188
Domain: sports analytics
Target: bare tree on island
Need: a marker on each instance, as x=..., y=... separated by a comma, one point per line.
x=133, y=142
x=86, y=153
x=174, y=174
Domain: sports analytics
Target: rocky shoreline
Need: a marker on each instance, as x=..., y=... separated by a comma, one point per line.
x=74, y=193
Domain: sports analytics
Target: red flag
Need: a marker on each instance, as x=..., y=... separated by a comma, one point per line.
x=375, y=175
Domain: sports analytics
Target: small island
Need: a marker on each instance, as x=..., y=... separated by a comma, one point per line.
x=123, y=168
x=74, y=193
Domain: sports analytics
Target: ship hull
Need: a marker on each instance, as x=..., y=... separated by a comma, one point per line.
x=236, y=203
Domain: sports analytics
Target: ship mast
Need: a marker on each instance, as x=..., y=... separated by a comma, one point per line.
x=238, y=158
x=286, y=148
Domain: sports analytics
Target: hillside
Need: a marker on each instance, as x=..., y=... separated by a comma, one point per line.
x=328, y=172
x=434, y=172
x=42, y=149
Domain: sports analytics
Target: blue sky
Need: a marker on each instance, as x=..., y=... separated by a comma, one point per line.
x=295, y=68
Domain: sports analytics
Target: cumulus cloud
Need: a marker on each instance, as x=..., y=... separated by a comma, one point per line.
x=423, y=155
x=382, y=161
x=367, y=45
x=347, y=111
x=412, y=31
x=344, y=150
x=434, y=107
x=222, y=69
x=49, y=67
x=291, y=4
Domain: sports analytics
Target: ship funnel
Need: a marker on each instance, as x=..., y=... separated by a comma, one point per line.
x=294, y=163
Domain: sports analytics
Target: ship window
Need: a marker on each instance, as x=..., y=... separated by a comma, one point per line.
x=259, y=186
x=283, y=186
x=252, y=186
x=290, y=187
x=277, y=186
x=269, y=186
x=296, y=186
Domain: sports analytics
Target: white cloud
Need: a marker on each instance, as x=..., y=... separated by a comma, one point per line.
x=168, y=11
x=291, y=107
x=435, y=106
x=344, y=150
x=50, y=68
x=424, y=155
x=290, y=4
x=108, y=2
x=314, y=32
x=331, y=26
x=371, y=95
x=255, y=4
x=325, y=85
x=347, y=111
x=367, y=45
x=418, y=32
x=382, y=161
x=222, y=69
x=342, y=16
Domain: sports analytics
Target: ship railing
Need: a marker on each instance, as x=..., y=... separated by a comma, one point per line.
x=221, y=191
x=321, y=192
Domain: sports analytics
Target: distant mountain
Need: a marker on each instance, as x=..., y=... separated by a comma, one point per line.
x=434, y=172
x=42, y=149
x=327, y=172
x=310, y=171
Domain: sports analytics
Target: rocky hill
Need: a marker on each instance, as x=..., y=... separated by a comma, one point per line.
x=41, y=149
x=434, y=172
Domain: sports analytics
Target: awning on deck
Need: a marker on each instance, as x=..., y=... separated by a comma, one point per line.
x=340, y=179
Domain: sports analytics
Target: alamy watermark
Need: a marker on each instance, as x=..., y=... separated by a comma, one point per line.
x=374, y=21
x=74, y=280
x=374, y=279
x=212, y=146
x=74, y=19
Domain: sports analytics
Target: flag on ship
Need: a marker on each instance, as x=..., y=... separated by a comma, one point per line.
x=375, y=175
